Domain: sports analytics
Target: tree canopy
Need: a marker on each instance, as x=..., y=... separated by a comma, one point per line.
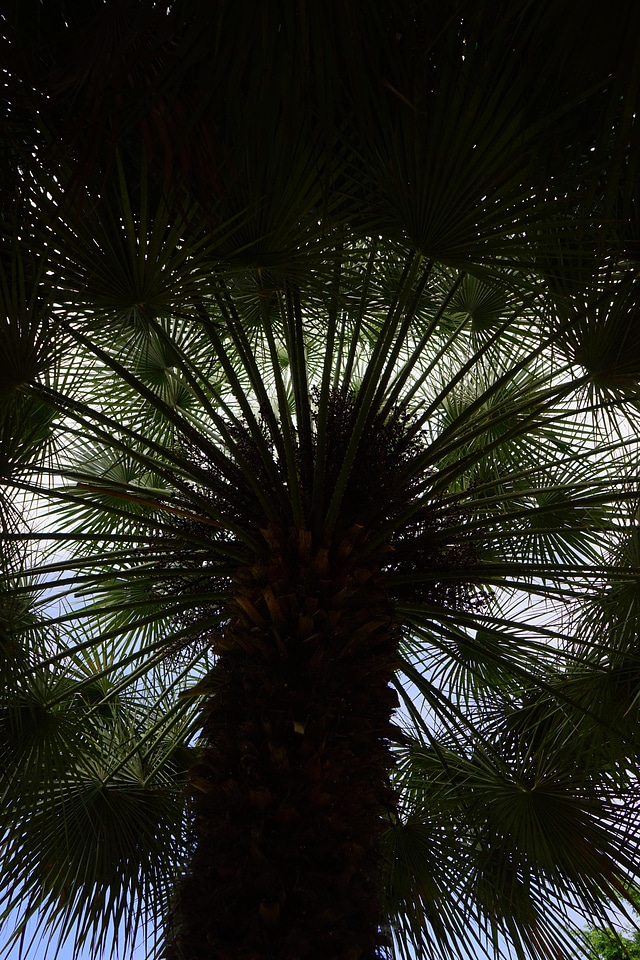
x=319, y=408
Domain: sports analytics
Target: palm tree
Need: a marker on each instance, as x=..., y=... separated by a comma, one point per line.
x=320, y=541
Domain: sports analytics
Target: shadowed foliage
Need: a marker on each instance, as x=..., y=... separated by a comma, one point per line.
x=319, y=419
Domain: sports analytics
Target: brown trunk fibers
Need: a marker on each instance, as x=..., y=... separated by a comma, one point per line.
x=292, y=791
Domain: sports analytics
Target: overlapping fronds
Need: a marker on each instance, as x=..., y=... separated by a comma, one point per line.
x=388, y=284
x=179, y=438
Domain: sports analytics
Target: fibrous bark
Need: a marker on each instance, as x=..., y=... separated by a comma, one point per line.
x=292, y=791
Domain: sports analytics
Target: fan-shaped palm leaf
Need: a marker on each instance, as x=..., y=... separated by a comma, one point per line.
x=311, y=500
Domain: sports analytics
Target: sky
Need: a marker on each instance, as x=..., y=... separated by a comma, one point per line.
x=42, y=951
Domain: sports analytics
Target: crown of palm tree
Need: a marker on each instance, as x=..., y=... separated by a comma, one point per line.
x=285, y=430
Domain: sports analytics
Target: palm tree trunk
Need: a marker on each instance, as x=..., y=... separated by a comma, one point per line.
x=292, y=791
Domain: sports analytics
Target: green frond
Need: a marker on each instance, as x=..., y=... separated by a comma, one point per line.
x=337, y=373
